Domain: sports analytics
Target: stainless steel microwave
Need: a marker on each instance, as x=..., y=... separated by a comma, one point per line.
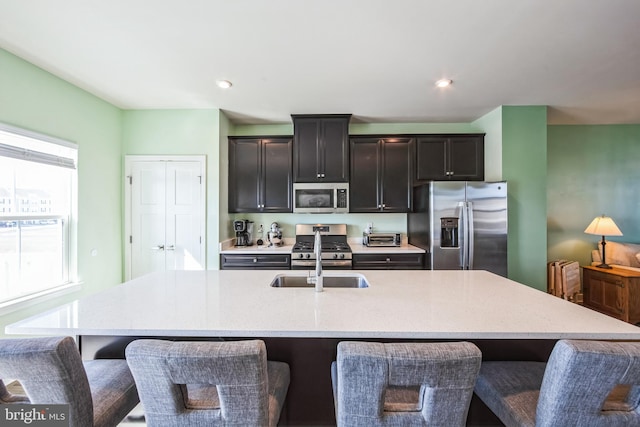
x=321, y=197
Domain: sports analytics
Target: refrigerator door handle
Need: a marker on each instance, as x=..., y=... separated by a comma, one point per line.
x=470, y=233
x=462, y=224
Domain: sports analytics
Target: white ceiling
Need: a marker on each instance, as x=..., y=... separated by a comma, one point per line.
x=376, y=59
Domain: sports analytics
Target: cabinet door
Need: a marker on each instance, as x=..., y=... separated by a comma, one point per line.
x=334, y=151
x=364, y=191
x=321, y=148
x=395, y=163
x=306, y=149
x=244, y=175
x=605, y=293
x=431, y=158
x=466, y=158
x=276, y=176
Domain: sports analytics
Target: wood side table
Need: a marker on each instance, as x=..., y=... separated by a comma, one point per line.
x=615, y=292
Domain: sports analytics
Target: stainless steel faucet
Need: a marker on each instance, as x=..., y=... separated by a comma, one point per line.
x=317, y=250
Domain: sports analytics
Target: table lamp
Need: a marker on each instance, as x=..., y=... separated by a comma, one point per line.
x=603, y=226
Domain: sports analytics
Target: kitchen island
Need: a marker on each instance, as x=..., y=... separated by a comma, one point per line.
x=507, y=320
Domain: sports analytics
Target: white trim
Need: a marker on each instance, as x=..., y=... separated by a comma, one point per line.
x=128, y=161
x=36, y=135
x=37, y=298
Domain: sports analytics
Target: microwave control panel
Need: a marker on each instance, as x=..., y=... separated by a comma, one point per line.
x=342, y=201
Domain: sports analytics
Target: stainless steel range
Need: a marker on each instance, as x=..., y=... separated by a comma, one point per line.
x=336, y=253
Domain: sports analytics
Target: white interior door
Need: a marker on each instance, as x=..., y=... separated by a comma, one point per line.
x=183, y=250
x=164, y=218
x=148, y=217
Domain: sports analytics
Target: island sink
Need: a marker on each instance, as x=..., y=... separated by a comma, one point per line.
x=296, y=281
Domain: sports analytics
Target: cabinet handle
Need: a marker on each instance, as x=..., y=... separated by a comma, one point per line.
x=255, y=260
x=388, y=259
x=620, y=283
x=171, y=248
x=321, y=175
x=384, y=206
x=158, y=248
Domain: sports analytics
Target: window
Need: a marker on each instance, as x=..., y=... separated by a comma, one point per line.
x=37, y=198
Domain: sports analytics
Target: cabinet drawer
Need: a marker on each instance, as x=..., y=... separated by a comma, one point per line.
x=388, y=261
x=255, y=262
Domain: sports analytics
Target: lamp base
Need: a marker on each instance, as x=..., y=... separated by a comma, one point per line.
x=604, y=266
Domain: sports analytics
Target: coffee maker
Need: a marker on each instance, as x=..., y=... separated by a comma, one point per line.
x=244, y=232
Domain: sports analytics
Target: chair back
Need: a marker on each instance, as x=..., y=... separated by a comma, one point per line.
x=201, y=383
x=409, y=384
x=51, y=372
x=581, y=381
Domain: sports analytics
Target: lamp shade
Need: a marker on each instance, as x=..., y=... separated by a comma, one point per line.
x=603, y=226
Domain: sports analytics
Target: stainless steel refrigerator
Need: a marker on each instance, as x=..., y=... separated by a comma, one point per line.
x=461, y=225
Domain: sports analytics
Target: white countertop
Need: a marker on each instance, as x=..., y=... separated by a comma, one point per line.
x=404, y=248
x=356, y=245
x=398, y=304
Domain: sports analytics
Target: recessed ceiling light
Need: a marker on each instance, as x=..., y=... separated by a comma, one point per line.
x=444, y=82
x=224, y=84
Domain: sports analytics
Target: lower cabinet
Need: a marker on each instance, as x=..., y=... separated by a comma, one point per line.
x=255, y=262
x=388, y=261
x=615, y=292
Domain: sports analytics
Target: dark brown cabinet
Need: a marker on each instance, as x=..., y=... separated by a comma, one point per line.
x=255, y=262
x=380, y=174
x=450, y=157
x=615, y=292
x=260, y=178
x=321, y=148
x=388, y=261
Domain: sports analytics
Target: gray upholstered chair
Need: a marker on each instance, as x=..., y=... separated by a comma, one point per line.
x=99, y=393
x=6, y=397
x=208, y=383
x=584, y=383
x=404, y=384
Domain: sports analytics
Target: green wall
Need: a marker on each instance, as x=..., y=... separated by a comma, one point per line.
x=592, y=170
x=524, y=167
x=34, y=99
x=182, y=132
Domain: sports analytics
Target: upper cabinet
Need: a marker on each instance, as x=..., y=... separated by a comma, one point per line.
x=380, y=174
x=260, y=178
x=321, y=148
x=450, y=157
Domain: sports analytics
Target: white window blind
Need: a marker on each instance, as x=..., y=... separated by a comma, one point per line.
x=37, y=195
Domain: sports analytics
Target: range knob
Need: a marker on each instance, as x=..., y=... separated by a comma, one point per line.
x=335, y=256
x=300, y=255
x=341, y=256
x=308, y=256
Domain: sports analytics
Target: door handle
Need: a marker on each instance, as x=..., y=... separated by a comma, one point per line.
x=158, y=248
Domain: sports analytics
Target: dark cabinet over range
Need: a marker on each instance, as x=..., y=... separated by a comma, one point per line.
x=260, y=174
x=380, y=169
x=450, y=157
x=380, y=174
x=321, y=148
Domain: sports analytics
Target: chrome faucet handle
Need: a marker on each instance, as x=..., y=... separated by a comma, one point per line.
x=317, y=249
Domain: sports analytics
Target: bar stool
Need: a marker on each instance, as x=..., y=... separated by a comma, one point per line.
x=208, y=383
x=584, y=383
x=404, y=384
x=99, y=393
